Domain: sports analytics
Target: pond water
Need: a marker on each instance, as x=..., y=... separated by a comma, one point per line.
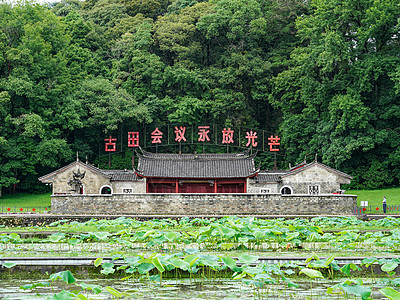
x=179, y=289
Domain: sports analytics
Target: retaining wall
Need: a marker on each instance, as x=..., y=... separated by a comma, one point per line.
x=203, y=204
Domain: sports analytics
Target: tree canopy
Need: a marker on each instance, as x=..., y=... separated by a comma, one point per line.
x=323, y=74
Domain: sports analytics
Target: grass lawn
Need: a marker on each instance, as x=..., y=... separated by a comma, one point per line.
x=31, y=200
x=374, y=197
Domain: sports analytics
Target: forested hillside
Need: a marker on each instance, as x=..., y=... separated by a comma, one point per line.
x=323, y=74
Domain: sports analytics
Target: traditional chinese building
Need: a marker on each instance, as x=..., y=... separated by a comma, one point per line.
x=205, y=184
x=196, y=173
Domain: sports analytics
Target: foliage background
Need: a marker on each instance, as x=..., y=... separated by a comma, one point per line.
x=323, y=74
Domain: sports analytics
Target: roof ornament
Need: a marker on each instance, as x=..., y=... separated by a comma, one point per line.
x=77, y=156
x=316, y=157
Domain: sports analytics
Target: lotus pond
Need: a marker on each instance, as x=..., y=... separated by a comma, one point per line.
x=208, y=259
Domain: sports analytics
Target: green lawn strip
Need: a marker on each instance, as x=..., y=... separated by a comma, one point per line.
x=374, y=197
x=24, y=200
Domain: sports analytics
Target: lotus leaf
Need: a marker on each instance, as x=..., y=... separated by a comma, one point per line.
x=390, y=293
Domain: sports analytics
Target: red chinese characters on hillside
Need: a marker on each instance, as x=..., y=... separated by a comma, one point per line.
x=110, y=145
x=273, y=141
x=156, y=136
x=133, y=139
x=251, y=138
x=180, y=134
x=203, y=134
x=227, y=137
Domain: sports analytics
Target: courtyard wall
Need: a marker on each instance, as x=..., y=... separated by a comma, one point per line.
x=203, y=204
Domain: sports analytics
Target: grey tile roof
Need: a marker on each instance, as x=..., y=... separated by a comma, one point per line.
x=121, y=175
x=239, y=165
x=240, y=155
x=114, y=175
x=269, y=176
x=47, y=177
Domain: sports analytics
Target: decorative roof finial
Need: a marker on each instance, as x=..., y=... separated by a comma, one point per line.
x=87, y=160
x=316, y=157
x=77, y=156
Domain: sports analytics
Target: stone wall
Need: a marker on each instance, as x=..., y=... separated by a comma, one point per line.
x=198, y=204
x=137, y=187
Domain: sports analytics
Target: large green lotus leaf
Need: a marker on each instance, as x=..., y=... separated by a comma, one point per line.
x=358, y=290
x=56, y=237
x=266, y=278
x=230, y=262
x=65, y=276
x=226, y=232
x=132, y=260
x=389, y=266
x=9, y=265
x=191, y=259
x=98, y=261
x=390, y=293
x=290, y=283
x=74, y=241
x=145, y=267
x=243, y=239
x=258, y=234
x=158, y=264
x=101, y=235
x=171, y=236
x=34, y=285
x=191, y=250
x=247, y=258
x=311, y=273
x=179, y=263
x=114, y=292
x=346, y=268
x=96, y=289
x=369, y=261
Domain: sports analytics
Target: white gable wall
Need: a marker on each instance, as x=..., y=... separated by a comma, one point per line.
x=327, y=181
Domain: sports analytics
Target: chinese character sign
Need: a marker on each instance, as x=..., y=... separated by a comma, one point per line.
x=227, y=136
x=110, y=144
x=251, y=138
x=180, y=134
x=206, y=134
x=156, y=136
x=203, y=133
x=133, y=139
x=273, y=141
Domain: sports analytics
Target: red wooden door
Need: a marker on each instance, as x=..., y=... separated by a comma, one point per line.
x=231, y=188
x=161, y=188
x=196, y=188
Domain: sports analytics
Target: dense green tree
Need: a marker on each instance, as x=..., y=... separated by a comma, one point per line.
x=325, y=73
x=338, y=97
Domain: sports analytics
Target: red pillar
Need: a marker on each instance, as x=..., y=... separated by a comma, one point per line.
x=215, y=186
x=176, y=186
x=245, y=185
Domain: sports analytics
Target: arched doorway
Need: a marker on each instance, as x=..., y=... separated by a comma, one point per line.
x=286, y=190
x=106, y=190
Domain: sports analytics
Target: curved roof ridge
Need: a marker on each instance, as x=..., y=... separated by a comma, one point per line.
x=148, y=154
